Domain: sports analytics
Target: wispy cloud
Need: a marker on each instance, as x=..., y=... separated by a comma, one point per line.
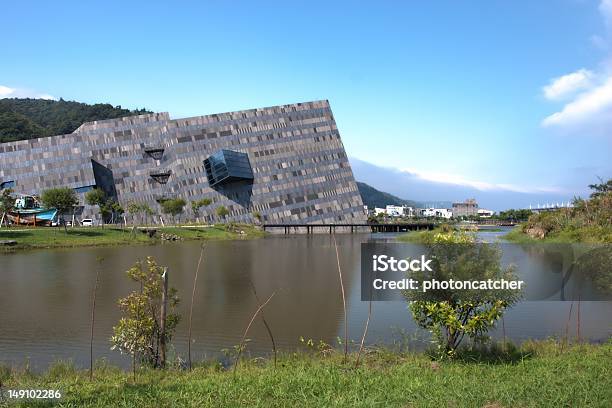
x=592, y=107
x=567, y=85
x=8, y=92
x=458, y=180
x=588, y=94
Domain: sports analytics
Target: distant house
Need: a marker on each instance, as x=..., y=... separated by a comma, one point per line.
x=437, y=213
x=399, y=211
x=395, y=211
x=482, y=213
x=378, y=211
x=466, y=208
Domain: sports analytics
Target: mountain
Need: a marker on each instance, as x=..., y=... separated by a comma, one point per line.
x=376, y=198
x=439, y=193
x=27, y=118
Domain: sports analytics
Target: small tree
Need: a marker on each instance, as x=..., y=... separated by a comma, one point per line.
x=134, y=209
x=601, y=189
x=63, y=199
x=222, y=212
x=173, y=207
x=138, y=332
x=97, y=197
x=451, y=314
x=196, y=205
x=147, y=212
x=257, y=216
x=113, y=208
x=7, y=201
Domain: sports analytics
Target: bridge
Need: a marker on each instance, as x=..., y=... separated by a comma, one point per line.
x=549, y=207
x=331, y=228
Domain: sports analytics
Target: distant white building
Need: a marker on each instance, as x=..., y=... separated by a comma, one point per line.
x=437, y=212
x=482, y=213
x=378, y=211
x=399, y=211
x=395, y=211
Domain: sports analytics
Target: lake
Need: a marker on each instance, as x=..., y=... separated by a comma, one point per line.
x=46, y=294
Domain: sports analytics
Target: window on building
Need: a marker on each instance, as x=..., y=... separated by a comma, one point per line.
x=161, y=177
x=155, y=152
x=84, y=189
x=227, y=166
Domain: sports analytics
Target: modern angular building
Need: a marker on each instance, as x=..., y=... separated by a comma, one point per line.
x=286, y=163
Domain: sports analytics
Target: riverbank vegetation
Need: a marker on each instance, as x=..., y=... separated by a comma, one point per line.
x=536, y=374
x=428, y=236
x=589, y=220
x=20, y=238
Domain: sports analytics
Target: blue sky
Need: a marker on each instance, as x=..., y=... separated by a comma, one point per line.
x=493, y=96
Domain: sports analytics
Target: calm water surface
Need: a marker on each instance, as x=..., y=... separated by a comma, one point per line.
x=45, y=299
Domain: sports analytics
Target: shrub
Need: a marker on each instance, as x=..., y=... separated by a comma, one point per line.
x=138, y=332
x=450, y=314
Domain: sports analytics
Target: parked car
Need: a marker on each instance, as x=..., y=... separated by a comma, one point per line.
x=87, y=222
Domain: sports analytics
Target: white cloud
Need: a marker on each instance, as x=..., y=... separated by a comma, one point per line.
x=7, y=92
x=591, y=107
x=567, y=85
x=588, y=109
x=455, y=179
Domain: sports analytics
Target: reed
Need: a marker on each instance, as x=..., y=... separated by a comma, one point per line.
x=343, y=300
x=195, y=282
x=365, y=330
x=246, y=331
x=93, y=318
x=567, y=324
x=263, y=318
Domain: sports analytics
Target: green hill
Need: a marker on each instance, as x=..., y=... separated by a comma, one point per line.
x=31, y=118
x=376, y=198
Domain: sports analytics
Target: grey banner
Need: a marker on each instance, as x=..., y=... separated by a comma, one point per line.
x=566, y=272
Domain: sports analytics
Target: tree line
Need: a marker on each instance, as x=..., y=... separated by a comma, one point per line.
x=65, y=200
x=22, y=119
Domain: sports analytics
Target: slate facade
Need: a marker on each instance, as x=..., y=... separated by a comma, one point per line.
x=299, y=171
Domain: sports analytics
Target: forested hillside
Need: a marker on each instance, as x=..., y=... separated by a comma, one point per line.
x=31, y=118
x=376, y=198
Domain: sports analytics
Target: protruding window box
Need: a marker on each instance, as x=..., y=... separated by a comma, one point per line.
x=161, y=176
x=228, y=166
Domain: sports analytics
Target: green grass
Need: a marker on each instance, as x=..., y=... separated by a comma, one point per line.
x=538, y=375
x=488, y=229
x=417, y=237
x=46, y=237
x=516, y=235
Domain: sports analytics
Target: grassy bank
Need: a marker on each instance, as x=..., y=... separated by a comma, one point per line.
x=592, y=235
x=588, y=221
x=46, y=237
x=416, y=237
x=539, y=374
x=518, y=236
